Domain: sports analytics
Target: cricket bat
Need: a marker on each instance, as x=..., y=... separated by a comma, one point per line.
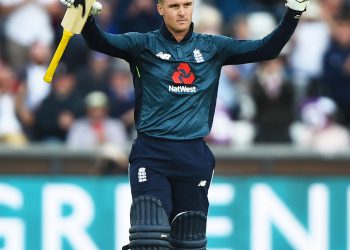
x=73, y=22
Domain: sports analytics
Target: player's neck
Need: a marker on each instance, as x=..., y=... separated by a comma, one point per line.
x=176, y=36
x=179, y=36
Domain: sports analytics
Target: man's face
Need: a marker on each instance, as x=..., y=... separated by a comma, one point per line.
x=177, y=14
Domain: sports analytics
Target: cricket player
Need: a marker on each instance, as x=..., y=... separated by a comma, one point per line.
x=176, y=73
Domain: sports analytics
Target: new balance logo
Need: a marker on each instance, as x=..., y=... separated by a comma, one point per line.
x=163, y=56
x=202, y=184
x=142, y=175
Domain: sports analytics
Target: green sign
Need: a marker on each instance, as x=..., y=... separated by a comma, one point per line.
x=246, y=213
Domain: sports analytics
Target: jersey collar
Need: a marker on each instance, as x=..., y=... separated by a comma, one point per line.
x=167, y=34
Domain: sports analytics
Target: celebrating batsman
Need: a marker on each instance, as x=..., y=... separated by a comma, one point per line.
x=176, y=73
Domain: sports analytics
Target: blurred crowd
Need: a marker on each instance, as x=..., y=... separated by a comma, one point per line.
x=301, y=98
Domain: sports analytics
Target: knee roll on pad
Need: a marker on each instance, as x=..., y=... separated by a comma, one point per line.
x=188, y=231
x=150, y=226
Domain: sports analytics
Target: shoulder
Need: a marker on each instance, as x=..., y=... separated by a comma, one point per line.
x=142, y=38
x=154, y=35
x=135, y=35
x=208, y=42
x=202, y=37
x=211, y=39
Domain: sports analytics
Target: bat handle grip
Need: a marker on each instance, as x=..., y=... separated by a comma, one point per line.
x=57, y=56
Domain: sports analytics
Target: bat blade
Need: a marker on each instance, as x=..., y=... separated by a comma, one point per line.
x=75, y=16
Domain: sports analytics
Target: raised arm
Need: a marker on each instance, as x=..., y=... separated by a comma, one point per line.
x=246, y=51
x=125, y=46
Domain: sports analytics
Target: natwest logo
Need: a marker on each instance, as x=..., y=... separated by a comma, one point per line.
x=182, y=89
x=183, y=74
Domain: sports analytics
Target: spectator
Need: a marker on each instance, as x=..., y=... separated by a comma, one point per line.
x=94, y=77
x=2, y=36
x=10, y=127
x=104, y=19
x=58, y=111
x=235, y=80
x=273, y=96
x=330, y=9
x=210, y=20
x=306, y=55
x=234, y=110
x=121, y=94
x=98, y=130
x=275, y=7
x=230, y=8
x=76, y=55
x=336, y=65
x=26, y=22
x=260, y=24
x=226, y=131
x=32, y=83
x=136, y=15
x=33, y=89
x=319, y=128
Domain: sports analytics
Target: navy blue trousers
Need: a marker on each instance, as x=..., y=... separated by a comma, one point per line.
x=179, y=173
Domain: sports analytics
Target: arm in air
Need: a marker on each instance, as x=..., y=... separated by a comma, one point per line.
x=267, y=48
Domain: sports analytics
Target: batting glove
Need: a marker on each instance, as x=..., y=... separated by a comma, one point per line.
x=298, y=5
x=67, y=3
x=95, y=9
